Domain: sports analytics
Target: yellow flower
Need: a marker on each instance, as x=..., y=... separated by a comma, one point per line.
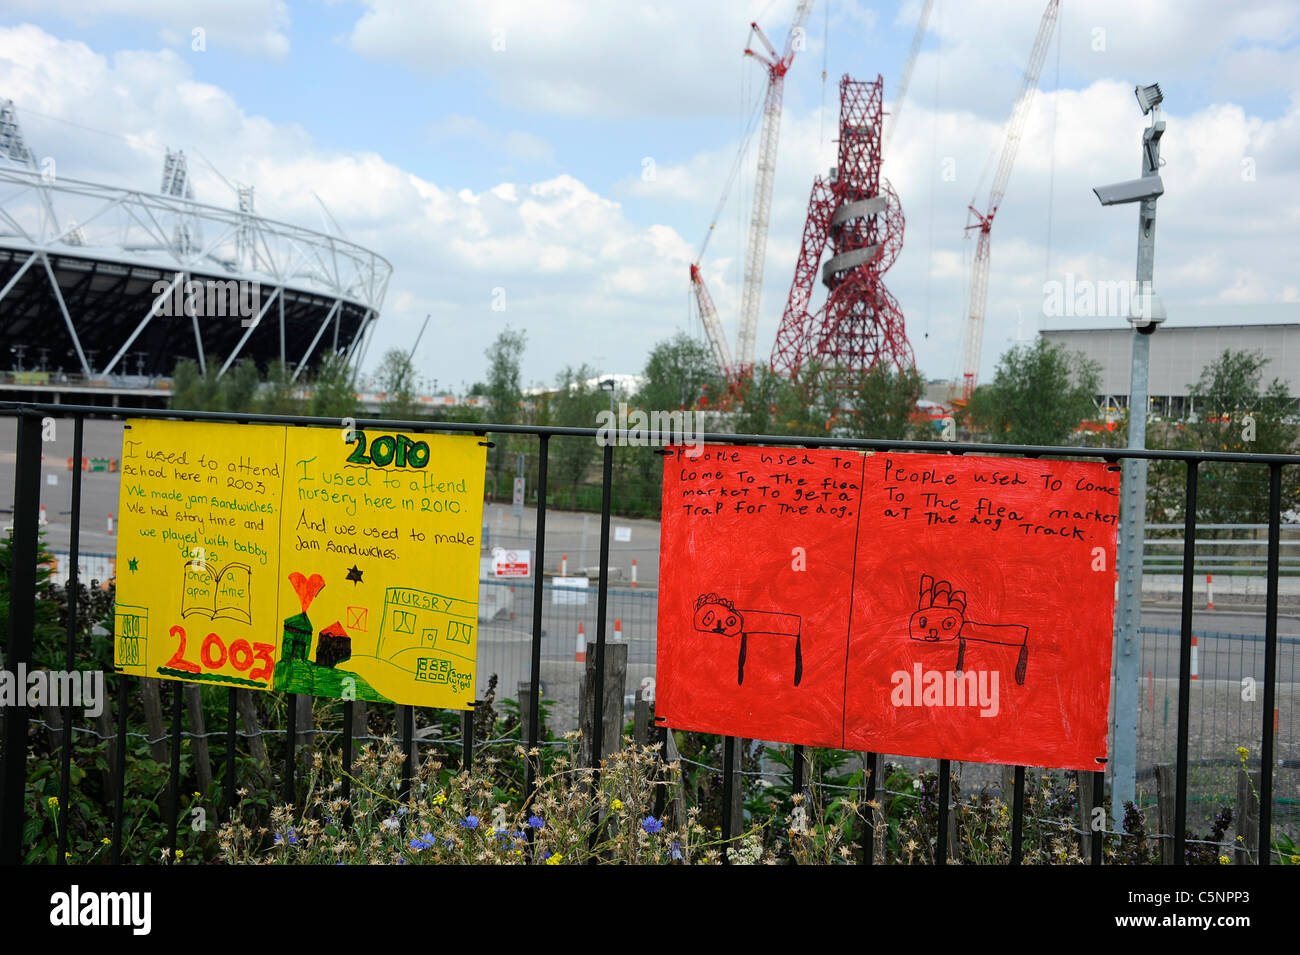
x=106, y=841
x=180, y=853
x=439, y=799
x=1243, y=753
x=67, y=855
x=1224, y=860
x=53, y=802
x=198, y=795
x=556, y=859
x=1295, y=860
x=617, y=804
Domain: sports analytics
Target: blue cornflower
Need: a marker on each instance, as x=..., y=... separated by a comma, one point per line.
x=651, y=825
x=426, y=841
x=470, y=822
x=291, y=837
x=537, y=822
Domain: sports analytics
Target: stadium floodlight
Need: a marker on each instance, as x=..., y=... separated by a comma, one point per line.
x=1149, y=97
x=1131, y=190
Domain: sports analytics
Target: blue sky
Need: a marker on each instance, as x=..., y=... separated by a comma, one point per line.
x=472, y=168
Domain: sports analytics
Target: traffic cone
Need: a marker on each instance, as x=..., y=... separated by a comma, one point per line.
x=110, y=522
x=1195, y=663
x=1209, y=591
x=564, y=565
x=618, y=629
x=581, y=655
x=634, y=572
x=512, y=601
x=43, y=520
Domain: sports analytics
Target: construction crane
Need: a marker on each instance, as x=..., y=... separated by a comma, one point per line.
x=906, y=79
x=979, y=281
x=777, y=65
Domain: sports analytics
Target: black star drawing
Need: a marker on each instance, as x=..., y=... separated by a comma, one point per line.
x=354, y=575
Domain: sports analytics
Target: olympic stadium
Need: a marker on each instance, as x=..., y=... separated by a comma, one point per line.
x=103, y=289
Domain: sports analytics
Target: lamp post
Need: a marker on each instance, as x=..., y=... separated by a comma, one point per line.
x=1146, y=313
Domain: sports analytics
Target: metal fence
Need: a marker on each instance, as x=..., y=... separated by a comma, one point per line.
x=530, y=628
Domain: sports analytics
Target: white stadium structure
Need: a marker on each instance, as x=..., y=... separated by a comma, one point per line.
x=103, y=289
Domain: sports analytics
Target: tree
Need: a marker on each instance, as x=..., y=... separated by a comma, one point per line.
x=209, y=390
x=396, y=376
x=503, y=392
x=881, y=403
x=332, y=391
x=1039, y=395
x=678, y=373
x=1233, y=410
x=575, y=403
x=277, y=394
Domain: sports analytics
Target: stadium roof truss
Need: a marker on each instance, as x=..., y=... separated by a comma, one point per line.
x=108, y=272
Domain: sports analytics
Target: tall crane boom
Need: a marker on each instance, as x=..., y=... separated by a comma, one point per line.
x=756, y=254
x=979, y=285
x=906, y=79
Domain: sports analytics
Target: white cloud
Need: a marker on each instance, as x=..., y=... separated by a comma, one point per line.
x=258, y=27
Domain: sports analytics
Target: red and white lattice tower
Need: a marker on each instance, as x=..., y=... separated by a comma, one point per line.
x=857, y=214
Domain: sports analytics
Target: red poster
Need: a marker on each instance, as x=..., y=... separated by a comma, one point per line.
x=923, y=605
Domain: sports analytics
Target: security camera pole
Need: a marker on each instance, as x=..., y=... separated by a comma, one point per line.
x=1145, y=314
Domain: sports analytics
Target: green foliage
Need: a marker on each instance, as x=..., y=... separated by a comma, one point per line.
x=396, y=375
x=1039, y=395
x=504, y=393
x=1231, y=410
x=575, y=403
x=679, y=372
x=880, y=403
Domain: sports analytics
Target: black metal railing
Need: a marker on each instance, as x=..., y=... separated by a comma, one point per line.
x=23, y=590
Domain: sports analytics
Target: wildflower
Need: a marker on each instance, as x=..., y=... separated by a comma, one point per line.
x=426, y=841
x=439, y=799
x=651, y=825
x=676, y=851
x=554, y=859
x=291, y=837
x=198, y=795
x=53, y=802
x=536, y=822
x=391, y=823
x=1224, y=860
x=1243, y=753
x=470, y=822
x=106, y=841
x=616, y=805
x=180, y=853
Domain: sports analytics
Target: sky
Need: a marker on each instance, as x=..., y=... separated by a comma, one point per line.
x=554, y=167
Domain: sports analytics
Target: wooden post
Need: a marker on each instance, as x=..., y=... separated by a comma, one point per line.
x=105, y=725
x=953, y=853
x=738, y=791
x=153, y=719
x=1247, y=815
x=1083, y=781
x=641, y=717
x=612, y=708
x=306, y=733
x=248, y=716
x=360, y=720
x=53, y=717
x=198, y=741
x=524, y=695
x=1165, y=803
x=678, y=796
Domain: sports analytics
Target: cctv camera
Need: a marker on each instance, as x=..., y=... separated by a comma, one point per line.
x=1133, y=190
x=1147, y=312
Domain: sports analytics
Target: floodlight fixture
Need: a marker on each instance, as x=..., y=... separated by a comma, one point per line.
x=1149, y=97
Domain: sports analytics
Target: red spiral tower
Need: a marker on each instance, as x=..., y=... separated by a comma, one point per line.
x=856, y=213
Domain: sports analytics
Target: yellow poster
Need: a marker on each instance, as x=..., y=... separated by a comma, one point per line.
x=329, y=562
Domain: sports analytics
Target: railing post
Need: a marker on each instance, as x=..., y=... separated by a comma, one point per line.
x=22, y=617
x=535, y=664
x=1185, y=666
x=1270, y=666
